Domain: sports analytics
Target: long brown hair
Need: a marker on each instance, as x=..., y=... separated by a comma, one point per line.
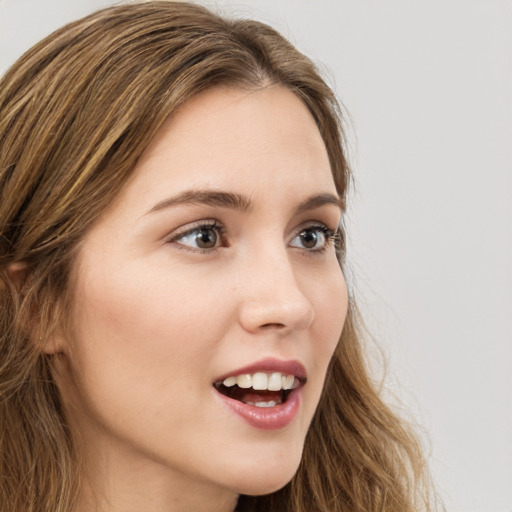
x=76, y=112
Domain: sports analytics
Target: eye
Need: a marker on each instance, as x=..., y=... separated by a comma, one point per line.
x=313, y=238
x=202, y=236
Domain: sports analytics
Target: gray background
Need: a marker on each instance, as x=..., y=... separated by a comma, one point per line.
x=428, y=85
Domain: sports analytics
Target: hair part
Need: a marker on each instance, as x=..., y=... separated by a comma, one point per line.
x=76, y=113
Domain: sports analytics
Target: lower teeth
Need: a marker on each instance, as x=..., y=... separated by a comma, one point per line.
x=262, y=404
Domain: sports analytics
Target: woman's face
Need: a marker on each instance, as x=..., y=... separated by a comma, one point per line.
x=214, y=264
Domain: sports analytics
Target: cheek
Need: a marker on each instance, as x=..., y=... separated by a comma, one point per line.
x=139, y=335
x=144, y=310
x=331, y=304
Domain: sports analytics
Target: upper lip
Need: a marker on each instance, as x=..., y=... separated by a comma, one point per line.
x=270, y=364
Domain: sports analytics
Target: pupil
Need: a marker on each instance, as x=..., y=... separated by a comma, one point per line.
x=309, y=238
x=206, y=238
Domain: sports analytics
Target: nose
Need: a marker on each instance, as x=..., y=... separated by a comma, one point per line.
x=272, y=297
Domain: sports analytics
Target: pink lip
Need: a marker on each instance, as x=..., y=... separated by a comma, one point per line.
x=269, y=365
x=267, y=418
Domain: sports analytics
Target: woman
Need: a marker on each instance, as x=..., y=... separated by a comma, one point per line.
x=176, y=332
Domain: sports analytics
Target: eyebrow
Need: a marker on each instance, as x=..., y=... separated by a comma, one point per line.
x=321, y=200
x=208, y=198
x=240, y=202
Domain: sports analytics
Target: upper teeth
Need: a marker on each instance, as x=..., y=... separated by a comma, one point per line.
x=260, y=381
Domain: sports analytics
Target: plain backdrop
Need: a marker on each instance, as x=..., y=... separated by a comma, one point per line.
x=427, y=87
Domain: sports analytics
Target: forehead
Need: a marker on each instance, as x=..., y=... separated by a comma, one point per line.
x=243, y=114
x=241, y=130
x=261, y=144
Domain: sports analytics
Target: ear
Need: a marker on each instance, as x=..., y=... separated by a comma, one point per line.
x=18, y=272
x=51, y=341
x=52, y=345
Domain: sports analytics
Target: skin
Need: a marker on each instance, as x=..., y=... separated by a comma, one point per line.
x=157, y=319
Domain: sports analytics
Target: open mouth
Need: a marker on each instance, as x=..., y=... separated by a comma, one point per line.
x=259, y=389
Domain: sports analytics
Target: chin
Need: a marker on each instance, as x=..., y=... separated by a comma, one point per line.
x=268, y=477
x=257, y=487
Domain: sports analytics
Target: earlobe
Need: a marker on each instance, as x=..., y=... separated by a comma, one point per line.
x=51, y=338
x=52, y=344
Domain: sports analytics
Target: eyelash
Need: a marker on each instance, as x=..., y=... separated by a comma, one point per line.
x=214, y=225
x=332, y=237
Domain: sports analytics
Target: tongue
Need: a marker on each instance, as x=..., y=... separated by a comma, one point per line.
x=250, y=395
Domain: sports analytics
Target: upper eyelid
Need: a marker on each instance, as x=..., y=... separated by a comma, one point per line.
x=192, y=226
x=313, y=224
x=328, y=231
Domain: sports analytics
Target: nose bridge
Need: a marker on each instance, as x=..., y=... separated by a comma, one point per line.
x=273, y=297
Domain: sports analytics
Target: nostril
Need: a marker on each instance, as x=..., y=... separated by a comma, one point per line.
x=274, y=325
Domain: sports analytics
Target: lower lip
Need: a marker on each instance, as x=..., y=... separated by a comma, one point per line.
x=266, y=418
